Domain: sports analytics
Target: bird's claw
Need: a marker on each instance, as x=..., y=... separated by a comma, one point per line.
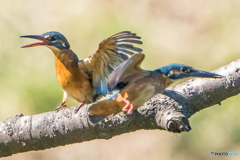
x=128, y=110
x=60, y=106
x=128, y=107
x=77, y=109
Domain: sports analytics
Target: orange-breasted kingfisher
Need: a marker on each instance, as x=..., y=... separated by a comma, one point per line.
x=136, y=85
x=86, y=80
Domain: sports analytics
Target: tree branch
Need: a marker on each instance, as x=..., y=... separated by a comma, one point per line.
x=167, y=111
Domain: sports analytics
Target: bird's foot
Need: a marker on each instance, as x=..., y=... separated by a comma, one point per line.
x=61, y=106
x=77, y=109
x=128, y=107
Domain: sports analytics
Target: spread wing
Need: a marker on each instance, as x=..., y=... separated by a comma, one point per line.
x=125, y=70
x=109, y=55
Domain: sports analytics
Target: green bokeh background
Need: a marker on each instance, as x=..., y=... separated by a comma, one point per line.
x=202, y=33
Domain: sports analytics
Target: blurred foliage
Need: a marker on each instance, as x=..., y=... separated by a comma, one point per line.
x=203, y=34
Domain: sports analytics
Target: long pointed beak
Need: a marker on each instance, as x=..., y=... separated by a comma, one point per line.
x=199, y=73
x=38, y=37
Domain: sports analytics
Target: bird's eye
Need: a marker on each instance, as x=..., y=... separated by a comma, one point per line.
x=184, y=69
x=54, y=38
x=50, y=38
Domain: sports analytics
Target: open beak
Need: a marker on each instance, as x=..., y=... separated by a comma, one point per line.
x=199, y=73
x=38, y=37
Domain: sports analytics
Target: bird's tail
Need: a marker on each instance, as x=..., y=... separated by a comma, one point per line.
x=101, y=109
x=106, y=107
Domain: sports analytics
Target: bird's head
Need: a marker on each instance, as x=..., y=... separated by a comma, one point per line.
x=49, y=39
x=178, y=71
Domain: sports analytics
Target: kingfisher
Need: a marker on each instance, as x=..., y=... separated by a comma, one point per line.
x=86, y=80
x=136, y=85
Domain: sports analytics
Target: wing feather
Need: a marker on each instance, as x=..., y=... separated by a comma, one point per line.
x=109, y=55
x=123, y=71
x=130, y=41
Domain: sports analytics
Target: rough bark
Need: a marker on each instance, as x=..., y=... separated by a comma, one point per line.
x=167, y=111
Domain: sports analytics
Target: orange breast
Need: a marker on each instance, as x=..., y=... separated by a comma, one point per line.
x=73, y=82
x=63, y=75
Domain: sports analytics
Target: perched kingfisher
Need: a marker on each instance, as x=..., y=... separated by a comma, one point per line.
x=136, y=86
x=86, y=80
